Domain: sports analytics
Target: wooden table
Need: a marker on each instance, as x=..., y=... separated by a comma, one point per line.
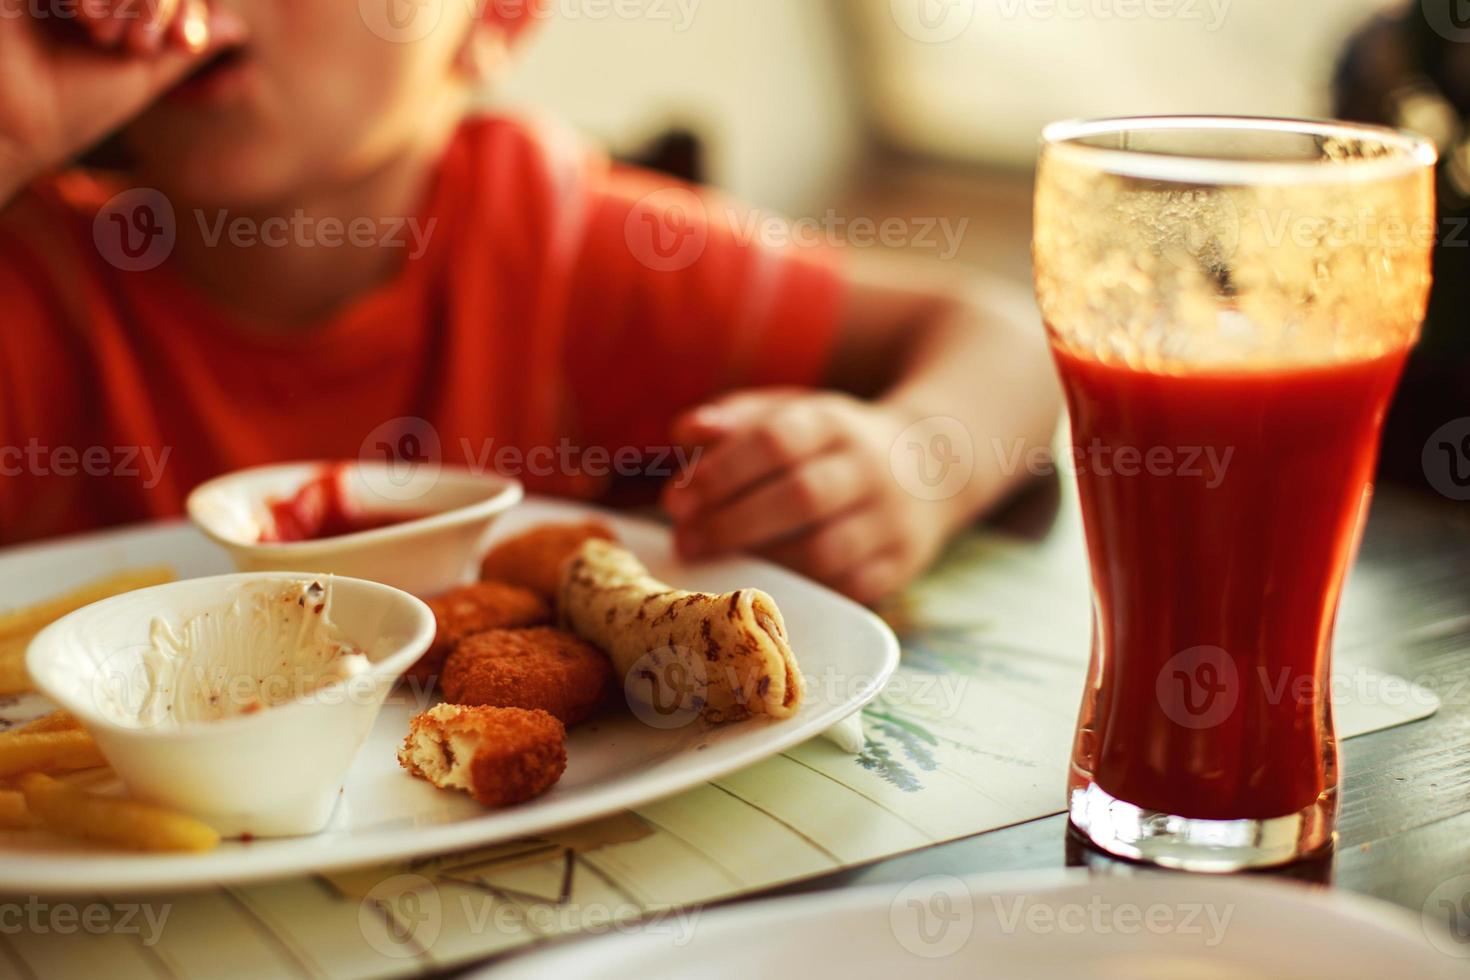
x=1404, y=824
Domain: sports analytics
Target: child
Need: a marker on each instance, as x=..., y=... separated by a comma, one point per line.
x=313, y=251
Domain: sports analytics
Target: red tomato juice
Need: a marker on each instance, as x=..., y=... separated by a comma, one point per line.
x=1218, y=543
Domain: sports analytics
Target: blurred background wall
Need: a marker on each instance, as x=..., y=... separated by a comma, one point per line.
x=795, y=100
x=768, y=86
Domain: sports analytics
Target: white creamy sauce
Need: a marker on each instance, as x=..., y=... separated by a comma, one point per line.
x=272, y=644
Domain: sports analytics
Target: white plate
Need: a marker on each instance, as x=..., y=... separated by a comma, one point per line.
x=1056, y=924
x=614, y=762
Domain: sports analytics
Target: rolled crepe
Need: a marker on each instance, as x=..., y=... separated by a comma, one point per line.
x=724, y=656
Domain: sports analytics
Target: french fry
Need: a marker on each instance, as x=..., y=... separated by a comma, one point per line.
x=29, y=619
x=138, y=826
x=47, y=752
x=14, y=815
x=19, y=626
x=56, y=721
x=14, y=678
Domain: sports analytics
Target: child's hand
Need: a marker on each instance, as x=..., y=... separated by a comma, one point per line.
x=805, y=479
x=67, y=82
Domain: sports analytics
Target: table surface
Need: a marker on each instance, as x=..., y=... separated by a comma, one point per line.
x=1404, y=821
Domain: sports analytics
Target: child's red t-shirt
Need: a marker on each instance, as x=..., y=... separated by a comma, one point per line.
x=560, y=305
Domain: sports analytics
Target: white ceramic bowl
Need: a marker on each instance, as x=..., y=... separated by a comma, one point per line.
x=274, y=772
x=425, y=556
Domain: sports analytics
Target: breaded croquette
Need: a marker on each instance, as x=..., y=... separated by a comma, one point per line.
x=533, y=558
x=544, y=668
x=473, y=609
x=500, y=756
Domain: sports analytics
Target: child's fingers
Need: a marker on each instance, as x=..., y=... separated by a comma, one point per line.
x=836, y=550
x=715, y=419
x=798, y=430
x=875, y=579
x=803, y=496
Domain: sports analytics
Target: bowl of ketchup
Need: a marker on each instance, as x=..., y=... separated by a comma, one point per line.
x=417, y=530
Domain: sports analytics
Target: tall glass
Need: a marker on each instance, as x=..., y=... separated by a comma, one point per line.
x=1229, y=303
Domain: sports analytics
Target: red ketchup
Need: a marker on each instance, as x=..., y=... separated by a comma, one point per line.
x=1247, y=557
x=323, y=509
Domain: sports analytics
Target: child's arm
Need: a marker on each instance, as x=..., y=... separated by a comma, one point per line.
x=66, y=82
x=946, y=387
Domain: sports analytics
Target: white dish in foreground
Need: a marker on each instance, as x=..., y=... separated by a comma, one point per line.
x=266, y=773
x=614, y=763
x=1059, y=924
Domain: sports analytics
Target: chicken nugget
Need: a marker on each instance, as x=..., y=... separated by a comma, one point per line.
x=500, y=756
x=473, y=609
x=544, y=668
x=533, y=558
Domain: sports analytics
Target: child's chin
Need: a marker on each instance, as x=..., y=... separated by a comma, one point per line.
x=235, y=181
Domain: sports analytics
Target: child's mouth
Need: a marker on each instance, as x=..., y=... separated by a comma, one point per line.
x=220, y=78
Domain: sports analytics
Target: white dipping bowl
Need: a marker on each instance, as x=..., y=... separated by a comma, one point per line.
x=426, y=556
x=275, y=772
